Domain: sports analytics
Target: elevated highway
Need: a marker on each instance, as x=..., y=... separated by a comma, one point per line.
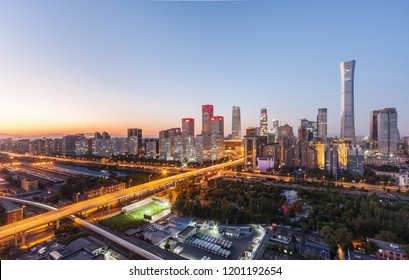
x=26, y=224
x=122, y=242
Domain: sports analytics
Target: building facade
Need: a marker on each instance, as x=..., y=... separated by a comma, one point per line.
x=207, y=114
x=322, y=124
x=388, y=133
x=136, y=132
x=347, y=100
x=263, y=123
x=188, y=127
x=373, y=129
x=356, y=160
x=236, y=123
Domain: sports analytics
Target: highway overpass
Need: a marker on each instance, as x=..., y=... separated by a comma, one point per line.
x=122, y=242
x=29, y=223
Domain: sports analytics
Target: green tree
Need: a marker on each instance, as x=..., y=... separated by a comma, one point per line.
x=370, y=248
x=56, y=198
x=328, y=233
x=388, y=236
x=343, y=237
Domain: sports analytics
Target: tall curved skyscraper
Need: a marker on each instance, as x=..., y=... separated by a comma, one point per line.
x=347, y=100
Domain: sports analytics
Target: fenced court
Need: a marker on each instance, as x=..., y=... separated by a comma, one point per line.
x=133, y=215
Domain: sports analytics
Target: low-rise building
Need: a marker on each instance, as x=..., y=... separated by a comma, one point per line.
x=14, y=212
x=294, y=242
x=186, y=233
x=389, y=251
x=103, y=190
x=29, y=184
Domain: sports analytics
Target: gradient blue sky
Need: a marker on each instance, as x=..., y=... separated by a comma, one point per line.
x=85, y=66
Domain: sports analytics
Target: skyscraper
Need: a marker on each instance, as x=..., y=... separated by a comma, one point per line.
x=263, y=123
x=185, y=143
x=322, y=123
x=373, y=129
x=308, y=130
x=356, y=160
x=217, y=137
x=388, y=133
x=236, y=123
x=250, y=148
x=167, y=142
x=207, y=114
x=217, y=125
x=188, y=127
x=347, y=100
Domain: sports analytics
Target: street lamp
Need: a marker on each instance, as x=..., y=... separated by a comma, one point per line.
x=129, y=185
x=164, y=172
x=77, y=196
x=150, y=177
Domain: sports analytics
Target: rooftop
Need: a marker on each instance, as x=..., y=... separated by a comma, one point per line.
x=8, y=205
x=180, y=220
x=83, y=254
x=82, y=243
x=392, y=247
x=186, y=231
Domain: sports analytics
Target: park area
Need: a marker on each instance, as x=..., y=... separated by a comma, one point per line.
x=135, y=218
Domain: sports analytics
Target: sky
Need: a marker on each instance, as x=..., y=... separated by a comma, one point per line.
x=85, y=66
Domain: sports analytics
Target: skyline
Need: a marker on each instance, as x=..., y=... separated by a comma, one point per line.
x=149, y=64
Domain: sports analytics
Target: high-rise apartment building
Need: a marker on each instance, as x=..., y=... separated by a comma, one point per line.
x=68, y=144
x=263, y=123
x=132, y=145
x=167, y=142
x=151, y=147
x=388, y=133
x=136, y=132
x=83, y=147
x=322, y=124
x=347, y=100
x=207, y=114
x=37, y=146
x=236, y=123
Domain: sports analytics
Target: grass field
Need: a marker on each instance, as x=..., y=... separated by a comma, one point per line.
x=133, y=219
x=150, y=209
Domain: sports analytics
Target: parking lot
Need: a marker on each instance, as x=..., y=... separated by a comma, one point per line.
x=211, y=242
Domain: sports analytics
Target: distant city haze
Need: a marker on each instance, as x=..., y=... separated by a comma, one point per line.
x=83, y=66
